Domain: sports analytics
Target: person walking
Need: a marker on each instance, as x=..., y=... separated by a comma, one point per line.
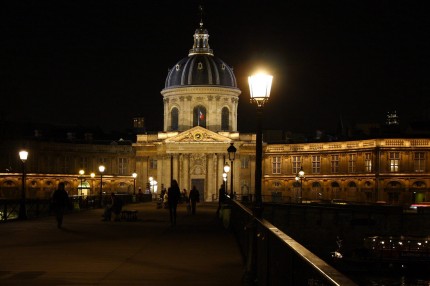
x=173, y=197
x=60, y=201
x=194, y=198
x=222, y=196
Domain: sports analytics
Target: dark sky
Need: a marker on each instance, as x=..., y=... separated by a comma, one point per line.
x=100, y=63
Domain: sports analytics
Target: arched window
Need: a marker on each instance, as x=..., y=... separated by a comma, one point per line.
x=225, y=114
x=199, y=116
x=174, y=115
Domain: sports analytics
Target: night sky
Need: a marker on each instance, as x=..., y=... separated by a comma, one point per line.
x=101, y=63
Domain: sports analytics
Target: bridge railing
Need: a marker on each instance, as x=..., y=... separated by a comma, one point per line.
x=274, y=258
x=9, y=208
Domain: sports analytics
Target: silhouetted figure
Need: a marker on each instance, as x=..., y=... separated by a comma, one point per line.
x=194, y=198
x=115, y=207
x=173, y=197
x=60, y=201
x=221, y=198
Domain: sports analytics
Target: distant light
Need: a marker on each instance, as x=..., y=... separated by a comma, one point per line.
x=23, y=155
x=226, y=168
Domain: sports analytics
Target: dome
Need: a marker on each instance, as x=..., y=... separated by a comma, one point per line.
x=201, y=67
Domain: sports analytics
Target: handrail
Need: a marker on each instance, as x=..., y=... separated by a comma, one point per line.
x=274, y=258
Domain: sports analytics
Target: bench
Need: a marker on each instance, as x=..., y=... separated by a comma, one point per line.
x=129, y=215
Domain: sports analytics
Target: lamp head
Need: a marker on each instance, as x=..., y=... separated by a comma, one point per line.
x=134, y=175
x=231, y=152
x=301, y=173
x=226, y=168
x=23, y=155
x=81, y=172
x=102, y=168
x=259, y=87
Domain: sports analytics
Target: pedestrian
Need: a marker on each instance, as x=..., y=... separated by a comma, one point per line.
x=194, y=198
x=115, y=207
x=184, y=196
x=173, y=197
x=60, y=201
x=221, y=198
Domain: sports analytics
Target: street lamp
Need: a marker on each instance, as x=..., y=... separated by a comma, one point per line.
x=231, y=155
x=81, y=175
x=150, y=179
x=23, y=155
x=224, y=177
x=226, y=171
x=134, y=175
x=92, y=175
x=101, y=170
x=259, y=86
x=300, y=176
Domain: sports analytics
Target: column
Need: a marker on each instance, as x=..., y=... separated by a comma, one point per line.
x=186, y=171
x=176, y=168
x=220, y=169
x=210, y=178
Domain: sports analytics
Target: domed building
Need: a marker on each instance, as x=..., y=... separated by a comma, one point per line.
x=200, y=122
x=200, y=90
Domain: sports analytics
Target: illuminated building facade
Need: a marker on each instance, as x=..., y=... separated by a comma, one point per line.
x=394, y=171
x=200, y=122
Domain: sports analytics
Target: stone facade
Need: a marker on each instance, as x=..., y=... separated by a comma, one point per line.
x=395, y=171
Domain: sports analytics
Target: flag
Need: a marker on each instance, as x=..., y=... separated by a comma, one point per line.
x=201, y=115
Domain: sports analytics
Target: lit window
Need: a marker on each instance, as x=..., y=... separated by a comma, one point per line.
x=394, y=161
x=368, y=162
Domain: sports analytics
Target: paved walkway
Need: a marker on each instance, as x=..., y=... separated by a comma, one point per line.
x=88, y=251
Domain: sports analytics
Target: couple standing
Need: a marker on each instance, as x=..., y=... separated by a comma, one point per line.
x=173, y=197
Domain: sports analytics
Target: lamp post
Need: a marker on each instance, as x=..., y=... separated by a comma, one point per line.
x=101, y=170
x=259, y=86
x=134, y=175
x=300, y=176
x=23, y=155
x=226, y=171
x=92, y=175
x=231, y=155
x=150, y=179
x=81, y=176
x=224, y=178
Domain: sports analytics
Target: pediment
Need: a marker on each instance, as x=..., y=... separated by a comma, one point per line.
x=198, y=134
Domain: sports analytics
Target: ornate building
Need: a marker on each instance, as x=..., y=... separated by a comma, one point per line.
x=394, y=171
x=200, y=121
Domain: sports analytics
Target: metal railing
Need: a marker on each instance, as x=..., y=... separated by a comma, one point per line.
x=9, y=208
x=274, y=258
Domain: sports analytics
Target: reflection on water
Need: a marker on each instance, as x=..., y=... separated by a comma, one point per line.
x=392, y=280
